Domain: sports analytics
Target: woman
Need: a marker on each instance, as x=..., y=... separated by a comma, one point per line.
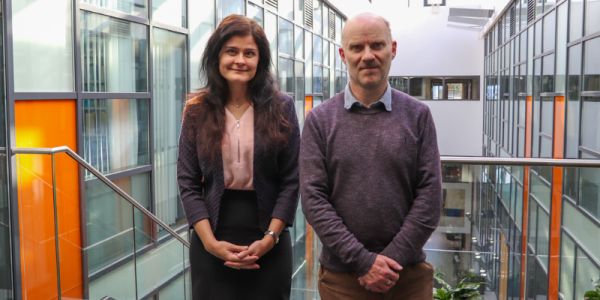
x=238, y=170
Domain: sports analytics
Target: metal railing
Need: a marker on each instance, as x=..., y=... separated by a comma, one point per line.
x=514, y=161
x=108, y=182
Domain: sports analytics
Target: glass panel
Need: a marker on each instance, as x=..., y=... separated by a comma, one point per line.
x=271, y=33
x=582, y=229
x=299, y=42
x=286, y=37
x=317, y=18
x=115, y=133
x=286, y=9
x=536, y=108
x=589, y=191
x=111, y=234
x=326, y=83
x=170, y=12
x=541, y=191
x=256, y=12
x=532, y=224
x=591, y=71
x=567, y=269
x=571, y=183
x=299, y=11
x=286, y=75
x=575, y=19
x=573, y=86
x=309, y=62
x=543, y=235
x=132, y=7
x=588, y=273
x=230, y=7
x=169, y=63
x=318, y=49
x=549, y=32
x=115, y=55
x=548, y=73
x=299, y=95
x=317, y=80
x=561, y=48
x=538, y=37
x=201, y=25
x=160, y=264
x=43, y=54
x=325, y=53
x=592, y=11
x=523, y=14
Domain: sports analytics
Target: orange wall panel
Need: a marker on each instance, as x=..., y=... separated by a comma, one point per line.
x=48, y=123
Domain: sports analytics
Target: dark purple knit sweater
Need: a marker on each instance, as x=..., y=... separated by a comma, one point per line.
x=370, y=181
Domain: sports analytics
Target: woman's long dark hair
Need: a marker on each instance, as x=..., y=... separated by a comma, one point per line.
x=207, y=106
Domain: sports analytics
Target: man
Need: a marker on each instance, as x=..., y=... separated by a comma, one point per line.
x=370, y=177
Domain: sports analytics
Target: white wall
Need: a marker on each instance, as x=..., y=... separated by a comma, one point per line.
x=459, y=126
x=430, y=46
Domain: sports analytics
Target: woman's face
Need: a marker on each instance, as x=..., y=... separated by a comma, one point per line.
x=238, y=59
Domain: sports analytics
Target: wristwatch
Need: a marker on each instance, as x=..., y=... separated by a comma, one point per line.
x=274, y=235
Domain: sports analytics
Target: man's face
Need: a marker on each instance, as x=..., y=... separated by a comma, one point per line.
x=368, y=51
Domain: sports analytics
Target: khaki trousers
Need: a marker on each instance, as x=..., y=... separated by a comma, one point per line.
x=415, y=282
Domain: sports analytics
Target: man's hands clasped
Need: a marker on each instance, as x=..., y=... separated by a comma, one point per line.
x=382, y=276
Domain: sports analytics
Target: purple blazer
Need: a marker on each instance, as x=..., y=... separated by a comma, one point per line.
x=275, y=175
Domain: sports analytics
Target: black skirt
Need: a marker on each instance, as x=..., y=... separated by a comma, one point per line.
x=238, y=224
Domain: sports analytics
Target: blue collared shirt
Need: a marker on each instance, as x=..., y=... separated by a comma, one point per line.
x=350, y=100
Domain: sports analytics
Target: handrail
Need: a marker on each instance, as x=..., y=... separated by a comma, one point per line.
x=104, y=179
x=513, y=161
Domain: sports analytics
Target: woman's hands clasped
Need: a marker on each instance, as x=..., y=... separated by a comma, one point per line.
x=241, y=257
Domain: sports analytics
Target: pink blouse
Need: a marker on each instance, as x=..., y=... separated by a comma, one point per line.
x=238, y=150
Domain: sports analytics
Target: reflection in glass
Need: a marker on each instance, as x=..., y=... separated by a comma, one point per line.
x=115, y=55
x=43, y=54
x=317, y=49
x=109, y=220
x=131, y=7
x=286, y=75
x=169, y=53
x=588, y=273
x=591, y=71
x=299, y=42
x=549, y=31
x=575, y=17
x=573, y=86
x=589, y=191
x=286, y=9
x=170, y=12
x=256, y=12
x=229, y=7
x=201, y=24
x=309, y=62
x=567, y=261
x=115, y=133
x=271, y=33
x=592, y=11
x=286, y=37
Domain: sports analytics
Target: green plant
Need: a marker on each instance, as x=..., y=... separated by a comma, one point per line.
x=464, y=290
x=593, y=294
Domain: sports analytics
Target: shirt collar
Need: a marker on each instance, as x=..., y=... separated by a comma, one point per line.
x=350, y=100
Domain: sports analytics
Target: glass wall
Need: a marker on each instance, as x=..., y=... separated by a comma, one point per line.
x=129, y=65
x=551, y=50
x=169, y=77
